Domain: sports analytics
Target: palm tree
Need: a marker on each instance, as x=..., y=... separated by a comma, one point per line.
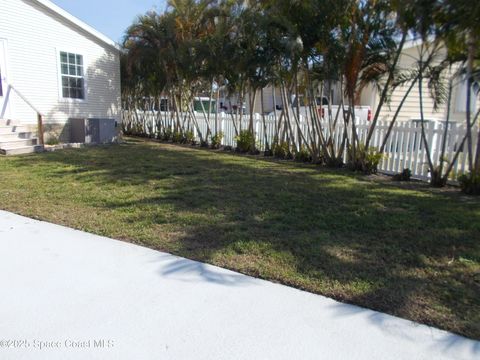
x=461, y=30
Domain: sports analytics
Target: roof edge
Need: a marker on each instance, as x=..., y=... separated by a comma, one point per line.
x=85, y=27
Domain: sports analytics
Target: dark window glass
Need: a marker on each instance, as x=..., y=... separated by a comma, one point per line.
x=72, y=75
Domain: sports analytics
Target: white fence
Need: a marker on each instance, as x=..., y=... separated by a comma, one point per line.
x=404, y=148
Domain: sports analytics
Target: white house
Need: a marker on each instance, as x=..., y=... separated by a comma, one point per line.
x=53, y=64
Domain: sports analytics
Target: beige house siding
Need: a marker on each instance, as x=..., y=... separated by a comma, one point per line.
x=34, y=36
x=268, y=106
x=411, y=107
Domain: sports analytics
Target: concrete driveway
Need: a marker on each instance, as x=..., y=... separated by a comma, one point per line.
x=66, y=294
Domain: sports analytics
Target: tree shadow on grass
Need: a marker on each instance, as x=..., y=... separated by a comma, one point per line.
x=330, y=232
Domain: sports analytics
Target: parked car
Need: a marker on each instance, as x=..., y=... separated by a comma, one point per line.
x=207, y=103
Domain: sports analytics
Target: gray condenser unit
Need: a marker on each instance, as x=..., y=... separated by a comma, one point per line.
x=93, y=131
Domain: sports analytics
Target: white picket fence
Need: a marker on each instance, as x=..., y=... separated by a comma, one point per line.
x=404, y=148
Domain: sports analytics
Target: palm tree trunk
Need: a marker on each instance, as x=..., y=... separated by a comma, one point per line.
x=301, y=136
x=459, y=149
x=470, y=59
x=422, y=122
x=287, y=116
x=445, y=132
x=297, y=118
x=252, y=98
x=240, y=108
x=266, y=147
x=383, y=97
x=206, y=117
x=355, y=140
x=217, y=99
x=345, y=141
x=195, y=123
x=274, y=101
x=210, y=108
x=394, y=119
x=234, y=117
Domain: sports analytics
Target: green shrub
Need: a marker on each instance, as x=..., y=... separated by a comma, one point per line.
x=281, y=150
x=245, y=142
x=166, y=135
x=216, y=140
x=53, y=140
x=470, y=183
x=365, y=160
x=188, y=138
x=177, y=136
x=137, y=129
x=303, y=155
x=331, y=161
x=405, y=175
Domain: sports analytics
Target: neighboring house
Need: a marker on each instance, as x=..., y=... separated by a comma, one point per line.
x=54, y=63
x=270, y=101
x=411, y=108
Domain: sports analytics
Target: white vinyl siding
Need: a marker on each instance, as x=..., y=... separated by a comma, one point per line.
x=1, y=82
x=36, y=36
x=411, y=107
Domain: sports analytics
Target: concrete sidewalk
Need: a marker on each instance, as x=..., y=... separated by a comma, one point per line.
x=67, y=294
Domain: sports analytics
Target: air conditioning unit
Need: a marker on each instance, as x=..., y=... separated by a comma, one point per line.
x=93, y=131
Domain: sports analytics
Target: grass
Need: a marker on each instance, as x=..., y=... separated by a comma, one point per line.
x=404, y=249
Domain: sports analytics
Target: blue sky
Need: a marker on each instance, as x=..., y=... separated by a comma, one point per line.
x=110, y=17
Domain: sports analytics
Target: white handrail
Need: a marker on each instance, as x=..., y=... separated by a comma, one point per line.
x=25, y=99
x=39, y=114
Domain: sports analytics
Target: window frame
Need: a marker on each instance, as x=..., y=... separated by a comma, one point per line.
x=461, y=98
x=61, y=98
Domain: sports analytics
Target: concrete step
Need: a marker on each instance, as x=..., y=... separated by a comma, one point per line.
x=17, y=143
x=21, y=150
x=13, y=128
x=17, y=135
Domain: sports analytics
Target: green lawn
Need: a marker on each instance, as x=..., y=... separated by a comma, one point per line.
x=404, y=249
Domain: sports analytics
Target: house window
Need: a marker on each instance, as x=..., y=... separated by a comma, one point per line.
x=461, y=103
x=73, y=83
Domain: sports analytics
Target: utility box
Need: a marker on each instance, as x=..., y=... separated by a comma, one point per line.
x=93, y=131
